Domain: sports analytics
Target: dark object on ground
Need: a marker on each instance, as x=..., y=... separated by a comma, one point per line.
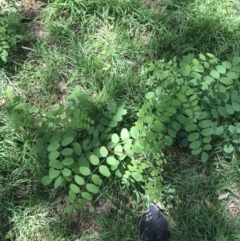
x=153, y=225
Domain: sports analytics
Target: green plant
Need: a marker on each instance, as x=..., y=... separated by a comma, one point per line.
x=191, y=104
x=9, y=34
x=84, y=145
x=229, y=135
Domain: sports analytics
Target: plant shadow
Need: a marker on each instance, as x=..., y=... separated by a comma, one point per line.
x=196, y=211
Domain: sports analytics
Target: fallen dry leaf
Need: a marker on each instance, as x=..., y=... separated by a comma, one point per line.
x=223, y=196
x=210, y=205
x=2, y=102
x=75, y=214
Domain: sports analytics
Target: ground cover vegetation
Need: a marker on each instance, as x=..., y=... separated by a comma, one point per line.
x=107, y=106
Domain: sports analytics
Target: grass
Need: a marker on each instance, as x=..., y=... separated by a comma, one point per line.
x=105, y=47
x=196, y=206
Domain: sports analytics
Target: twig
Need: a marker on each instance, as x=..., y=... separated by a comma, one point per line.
x=19, y=92
x=30, y=49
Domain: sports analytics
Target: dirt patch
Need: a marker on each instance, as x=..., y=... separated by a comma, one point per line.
x=83, y=221
x=153, y=3
x=31, y=8
x=234, y=206
x=178, y=155
x=30, y=12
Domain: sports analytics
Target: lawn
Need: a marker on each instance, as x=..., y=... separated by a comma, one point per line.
x=108, y=49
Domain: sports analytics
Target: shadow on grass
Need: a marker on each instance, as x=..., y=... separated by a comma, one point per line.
x=20, y=174
x=196, y=210
x=190, y=27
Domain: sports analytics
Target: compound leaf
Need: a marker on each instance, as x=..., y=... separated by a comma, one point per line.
x=83, y=161
x=222, y=111
x=215, y=74
x=69, y=209
x=96, y=179
x=182, y=119
x=150, y=95
x=205, y=123
x=94, y=160
x=112, y=108
x=74, y=188
x=115, y=138
x=67, y=151
x=207, y=131
x=134, y=132
x=53, y=155
x=77, y=148
x=46, y=180
x=168, y=140
x=111, y=160
x=235, y=60
x=195, y=144
x=204, y=157
x=79, y=180
x=55, y=164
x=207, y=139
x=92, y=188
x=227, y=64
x=58, y=182
x=68, y=161
x=104, y=171
x=236, y=106
x=190, y=127
x=87, y=196
x=67, y=140
x=53, y=147
x=232, y=75
x=229, y=109
x=214, y=113
x=66, y=172
x=226, y=80
x=71, y=196
x=85, y=171
x=124, y=134
x=104, y=152
x=202, y=57
x=207, y=147
x=196, y=151
x=193, y=136
x=176, y=125
x=53, y=173
x=137, y=176
x=221, y=69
